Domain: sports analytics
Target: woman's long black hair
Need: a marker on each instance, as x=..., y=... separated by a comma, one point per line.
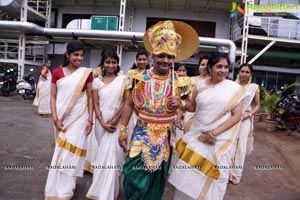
x=72, y=47
x=246, y=65
x=205, y=57
x=140, y=53
x=109, y=54
x=214, y=58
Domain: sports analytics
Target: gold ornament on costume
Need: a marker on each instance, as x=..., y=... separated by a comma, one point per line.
x=173, y=38
x=164, y=39
x=157, y=133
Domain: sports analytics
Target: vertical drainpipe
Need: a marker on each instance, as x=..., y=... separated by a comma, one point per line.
x=48, y=13
x=47, y=25
x=22, y=41
x=121, y=28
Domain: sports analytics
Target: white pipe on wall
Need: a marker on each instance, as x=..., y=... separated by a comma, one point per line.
x=32, y=28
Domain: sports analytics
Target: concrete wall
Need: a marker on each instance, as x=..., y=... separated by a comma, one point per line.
x=222, y=23
x=140, y=17
x=84, y=10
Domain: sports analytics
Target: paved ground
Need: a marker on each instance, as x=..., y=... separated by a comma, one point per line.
x=27, y=142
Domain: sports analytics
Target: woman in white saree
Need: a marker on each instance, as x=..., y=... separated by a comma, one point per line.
x=72, y=109
x=251, y=104
x=42, y=98
x=188, y=116
x=108, y=91
x=205, y=151
x=141, y=64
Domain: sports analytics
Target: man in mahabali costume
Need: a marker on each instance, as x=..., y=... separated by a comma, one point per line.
x=157, y=94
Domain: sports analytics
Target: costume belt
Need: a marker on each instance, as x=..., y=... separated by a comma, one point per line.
x=156, y=118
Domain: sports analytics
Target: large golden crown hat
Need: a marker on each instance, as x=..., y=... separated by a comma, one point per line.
x=172, y=37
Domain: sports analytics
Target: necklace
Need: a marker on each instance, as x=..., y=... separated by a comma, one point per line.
x=158, y=77
x=158, y=90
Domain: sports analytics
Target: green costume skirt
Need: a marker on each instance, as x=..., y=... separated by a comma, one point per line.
x=143, y=185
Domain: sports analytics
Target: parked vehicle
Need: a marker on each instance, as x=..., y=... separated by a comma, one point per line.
x=289, y=118
x=27, y=86
x=1, y=80
x=9, y=82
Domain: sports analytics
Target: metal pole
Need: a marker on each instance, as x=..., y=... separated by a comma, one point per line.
x=22, y=41
x=121, y=27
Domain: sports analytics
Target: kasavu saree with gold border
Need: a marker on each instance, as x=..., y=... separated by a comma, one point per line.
x=201, y=172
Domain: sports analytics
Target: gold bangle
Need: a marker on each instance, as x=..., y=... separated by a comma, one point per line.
x=123, y=129
x=122, y=133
